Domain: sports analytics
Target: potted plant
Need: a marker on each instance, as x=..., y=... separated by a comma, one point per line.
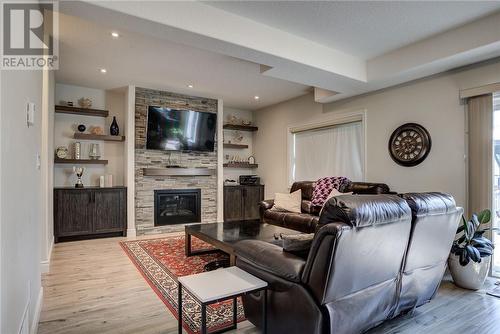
x=469, y=261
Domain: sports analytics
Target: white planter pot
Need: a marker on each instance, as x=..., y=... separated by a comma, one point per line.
x=472, y=276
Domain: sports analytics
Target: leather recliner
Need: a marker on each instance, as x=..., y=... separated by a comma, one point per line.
x=372, y=258
x=307, y=220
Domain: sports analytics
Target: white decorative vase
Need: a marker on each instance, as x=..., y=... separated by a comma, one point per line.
x=471, y=276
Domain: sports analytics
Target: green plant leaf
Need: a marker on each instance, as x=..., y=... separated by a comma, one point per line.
x=466, y=225
x=484, y=216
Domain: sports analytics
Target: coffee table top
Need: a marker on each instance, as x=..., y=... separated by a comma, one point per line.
x=221, y=283
x=231, y=232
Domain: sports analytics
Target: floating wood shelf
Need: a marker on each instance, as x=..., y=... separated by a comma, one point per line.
x=227, y=145
x=240, y=127
x=81, y=161
x=81, y=111
x=240, y=165
x=89, y=136
x=178, y=171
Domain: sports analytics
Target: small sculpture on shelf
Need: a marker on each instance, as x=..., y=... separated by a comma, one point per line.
x=232, y=119
x=85, y=102
x=97, y=130
x=79, y=173
x=237, y=137
x=66, y=103
x=246, y=123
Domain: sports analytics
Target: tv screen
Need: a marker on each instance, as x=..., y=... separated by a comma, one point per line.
x=180, y=130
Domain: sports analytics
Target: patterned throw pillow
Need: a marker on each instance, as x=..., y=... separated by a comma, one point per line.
x=324, y=187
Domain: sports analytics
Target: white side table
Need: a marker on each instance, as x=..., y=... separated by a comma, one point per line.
x=219, y=285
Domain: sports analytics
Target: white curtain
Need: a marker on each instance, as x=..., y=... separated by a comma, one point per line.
x=333, y=151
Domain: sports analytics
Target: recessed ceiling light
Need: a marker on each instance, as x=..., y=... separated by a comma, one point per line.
x=115, y=34
x=256, y=97
x=190, y=85
x=102, y=70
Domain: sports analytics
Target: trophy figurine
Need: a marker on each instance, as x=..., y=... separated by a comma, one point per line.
x=79, y=172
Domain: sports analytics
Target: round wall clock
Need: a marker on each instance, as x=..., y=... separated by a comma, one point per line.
x=409, y=144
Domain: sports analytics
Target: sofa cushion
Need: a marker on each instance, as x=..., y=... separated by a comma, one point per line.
x=275, y=217
x=324, y=187
x=367, y=188
x=365, y=210
x=270, y=258
x=308, y=207
x=430, y=203
x=303, y=222
x=297, y=243
x=306, y=187
x=288, y=202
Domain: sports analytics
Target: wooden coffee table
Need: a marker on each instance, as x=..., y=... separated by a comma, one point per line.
x=223, y=236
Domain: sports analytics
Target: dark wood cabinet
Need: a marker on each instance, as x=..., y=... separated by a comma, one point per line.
x=242, y=202
x=89, y=212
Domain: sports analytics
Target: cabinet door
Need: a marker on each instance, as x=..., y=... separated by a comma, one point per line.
x=252, y=195
x=233, y=209
x=109, y=210
x=74, y=211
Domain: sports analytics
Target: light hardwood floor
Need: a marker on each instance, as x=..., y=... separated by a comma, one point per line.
x=93, y=287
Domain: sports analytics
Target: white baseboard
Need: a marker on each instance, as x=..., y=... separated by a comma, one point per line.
x=131, y=233
x=44, y=265
x=36, y=315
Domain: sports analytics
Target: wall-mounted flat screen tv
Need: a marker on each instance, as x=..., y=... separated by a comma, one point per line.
x=180, y=130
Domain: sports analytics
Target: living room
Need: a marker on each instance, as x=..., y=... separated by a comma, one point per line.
x=172, y=175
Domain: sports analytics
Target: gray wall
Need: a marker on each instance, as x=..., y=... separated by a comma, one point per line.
x=20, y=211
x=433, y=102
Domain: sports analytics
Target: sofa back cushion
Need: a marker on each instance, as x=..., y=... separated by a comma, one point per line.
x=306, y=187
x=435, y=219
x=355, y=258
x=367, y=188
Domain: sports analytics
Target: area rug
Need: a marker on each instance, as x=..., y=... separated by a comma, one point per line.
x=161, y=261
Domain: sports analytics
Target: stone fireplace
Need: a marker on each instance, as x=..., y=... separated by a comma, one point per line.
x=146, y=219
x=177, y=206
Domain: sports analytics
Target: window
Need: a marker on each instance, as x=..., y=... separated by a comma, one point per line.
x=336, y=150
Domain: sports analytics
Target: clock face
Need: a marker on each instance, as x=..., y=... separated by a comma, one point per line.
x=409, y=144
x=62, y=152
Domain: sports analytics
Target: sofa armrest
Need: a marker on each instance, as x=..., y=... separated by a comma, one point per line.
x=265, y=205
x=270, y=258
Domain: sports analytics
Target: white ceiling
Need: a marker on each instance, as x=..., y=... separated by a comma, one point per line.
x=149, y=62
x=343, y=48
x=364, y=29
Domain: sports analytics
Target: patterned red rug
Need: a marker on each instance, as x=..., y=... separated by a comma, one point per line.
x=161, y=261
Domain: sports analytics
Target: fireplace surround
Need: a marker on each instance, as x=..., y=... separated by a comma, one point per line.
x=177, y=206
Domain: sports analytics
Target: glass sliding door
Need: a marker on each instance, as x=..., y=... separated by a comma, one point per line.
x=496, y=183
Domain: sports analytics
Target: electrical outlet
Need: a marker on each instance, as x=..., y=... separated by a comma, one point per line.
x=30, y=114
